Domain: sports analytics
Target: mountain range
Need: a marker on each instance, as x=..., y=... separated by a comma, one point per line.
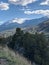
x=43, y=27
x=27, y=23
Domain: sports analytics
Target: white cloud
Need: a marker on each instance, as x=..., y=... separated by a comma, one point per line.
x=21, y=2
x=19, y=20
x=46, y=2
x=4, y=6
x=28, y=12
x=25, y=8
x=43, y=12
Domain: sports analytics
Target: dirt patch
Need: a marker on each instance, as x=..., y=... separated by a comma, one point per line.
x=5, y=61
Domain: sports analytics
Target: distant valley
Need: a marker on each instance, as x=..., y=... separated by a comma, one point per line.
x=39, y=25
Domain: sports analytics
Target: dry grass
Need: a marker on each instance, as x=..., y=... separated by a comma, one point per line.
x=5, y=52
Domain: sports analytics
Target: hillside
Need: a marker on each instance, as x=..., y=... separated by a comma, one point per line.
x=8, y=57
x=34, y=47
x=44, y=26
x=7, y=33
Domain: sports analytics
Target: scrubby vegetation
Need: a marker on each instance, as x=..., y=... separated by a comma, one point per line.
x=34, y=47
x=9, y=57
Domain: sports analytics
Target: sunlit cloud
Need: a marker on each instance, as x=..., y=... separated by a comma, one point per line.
x=43, y=12
x=21, y=2
x=4, y=6
x=46, y=2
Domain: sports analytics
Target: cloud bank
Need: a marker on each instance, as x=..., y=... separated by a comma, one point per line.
x=43, y=12
x=46, y=2
x=21, y=2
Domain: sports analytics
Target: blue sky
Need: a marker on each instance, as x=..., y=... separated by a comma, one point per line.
x=23, y=9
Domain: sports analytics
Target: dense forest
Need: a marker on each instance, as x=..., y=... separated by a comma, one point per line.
x=34, y=47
